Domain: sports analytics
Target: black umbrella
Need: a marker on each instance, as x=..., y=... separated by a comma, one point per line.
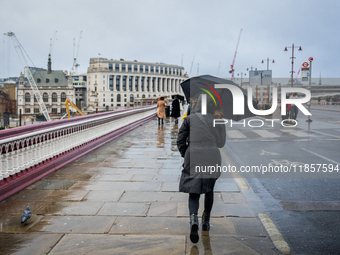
x=180, y=97
x=222, y=98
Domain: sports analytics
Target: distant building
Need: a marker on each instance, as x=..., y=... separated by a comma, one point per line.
x=113, y=84
x=9, y=88
x=80, y=86
x=7, y=104
x=54, y=87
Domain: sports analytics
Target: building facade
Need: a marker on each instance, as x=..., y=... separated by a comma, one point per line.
x=80, y=87
x=7, y=104
x=9, y=88
x=114, y=84
x=54, y=87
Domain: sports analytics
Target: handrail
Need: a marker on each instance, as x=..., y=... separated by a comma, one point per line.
x=96, y=118
x=29, y=153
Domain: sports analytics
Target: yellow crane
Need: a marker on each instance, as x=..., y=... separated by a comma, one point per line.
x=68, y=103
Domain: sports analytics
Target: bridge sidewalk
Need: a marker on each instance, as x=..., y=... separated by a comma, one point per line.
x=123, y=199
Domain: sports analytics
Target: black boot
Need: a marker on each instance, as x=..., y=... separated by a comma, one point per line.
x=194, y=228
x=205, y=221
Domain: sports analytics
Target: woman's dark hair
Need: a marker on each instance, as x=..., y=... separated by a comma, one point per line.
x=162, y=98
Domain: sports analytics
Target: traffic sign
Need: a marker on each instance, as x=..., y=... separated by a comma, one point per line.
x=305, y=64
x=310, y=59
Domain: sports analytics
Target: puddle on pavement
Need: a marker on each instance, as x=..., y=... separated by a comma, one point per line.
x=56, y=185
x=10, y=244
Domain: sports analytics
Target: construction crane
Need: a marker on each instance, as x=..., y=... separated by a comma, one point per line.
x=68, y=103
x=232, y=65
x=20, y=51
x=75, y=54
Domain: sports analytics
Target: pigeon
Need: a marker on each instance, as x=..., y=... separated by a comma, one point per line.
x=26, y=215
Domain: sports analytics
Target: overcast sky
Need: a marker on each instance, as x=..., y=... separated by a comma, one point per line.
x=164, y=31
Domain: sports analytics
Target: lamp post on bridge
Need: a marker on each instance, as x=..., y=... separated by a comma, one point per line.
x=245, y=74
x=310, y=90
x=252, y=69
x=273, y=61
x=268, y=87
x=286, y=49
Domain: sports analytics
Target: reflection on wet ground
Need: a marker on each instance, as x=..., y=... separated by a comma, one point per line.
x=123, y=198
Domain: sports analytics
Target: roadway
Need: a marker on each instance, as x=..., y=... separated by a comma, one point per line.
x=303, y=205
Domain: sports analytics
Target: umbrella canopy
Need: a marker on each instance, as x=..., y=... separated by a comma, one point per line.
x=159, y=98
x=180, y=97
x=221, y=98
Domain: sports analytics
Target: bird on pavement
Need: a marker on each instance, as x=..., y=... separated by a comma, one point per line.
x=26, y=215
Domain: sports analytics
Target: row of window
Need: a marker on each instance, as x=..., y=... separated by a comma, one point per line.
x=129, y=68
x=37, y=110
x=147, y=84
x=48, y=80
x=45, y=97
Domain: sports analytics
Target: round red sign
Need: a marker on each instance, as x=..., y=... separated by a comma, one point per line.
x=310, y=59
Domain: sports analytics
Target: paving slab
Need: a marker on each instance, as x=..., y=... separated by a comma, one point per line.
x=114, y=177
x=49, y=184
x=233, y=198
x=147, y=171
x=71, y=208
x=219, y=245
x=226, y=187
x=104, y=170
x=118, y=164
x=29, y=243
x=166, y=177
x=56, y=176
x=163, y=209
x=66, y=196
x=143, y=177
x=170, y=186
x=15, y=208
x=12, y=224
x=119, y=186
x=141, y=197
x=74, y=224
x=124, y=209
x=31, y=195
x=170, y=171
x=72, y=244
x=104, y=196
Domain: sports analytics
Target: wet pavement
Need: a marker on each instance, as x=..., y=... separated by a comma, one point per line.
x=123, y=199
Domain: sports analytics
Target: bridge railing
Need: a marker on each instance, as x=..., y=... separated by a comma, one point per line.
x=26, y=149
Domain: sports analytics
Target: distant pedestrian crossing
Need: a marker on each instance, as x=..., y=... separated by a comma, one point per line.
x=251, y=134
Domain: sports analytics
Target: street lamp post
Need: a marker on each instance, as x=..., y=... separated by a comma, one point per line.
x=273, y=61
x=251, y=69
x=310, y=90
x=242, y=76
x=286, y=49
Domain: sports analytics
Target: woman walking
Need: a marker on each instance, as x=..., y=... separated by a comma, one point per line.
x=161, y=110
x=198, y=142
x=176, y=111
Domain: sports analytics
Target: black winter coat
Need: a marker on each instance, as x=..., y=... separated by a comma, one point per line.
x=199, y=144
x=176, y=111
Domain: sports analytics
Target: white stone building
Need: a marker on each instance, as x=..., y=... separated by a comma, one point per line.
x=54, y=88
x=114, y=84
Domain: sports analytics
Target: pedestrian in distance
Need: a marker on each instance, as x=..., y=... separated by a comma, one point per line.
x=293, y=111
x=161, y=110
x=176, y=111
x=198, y=142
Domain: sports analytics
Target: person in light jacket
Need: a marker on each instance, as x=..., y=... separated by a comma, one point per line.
x=161, y=110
